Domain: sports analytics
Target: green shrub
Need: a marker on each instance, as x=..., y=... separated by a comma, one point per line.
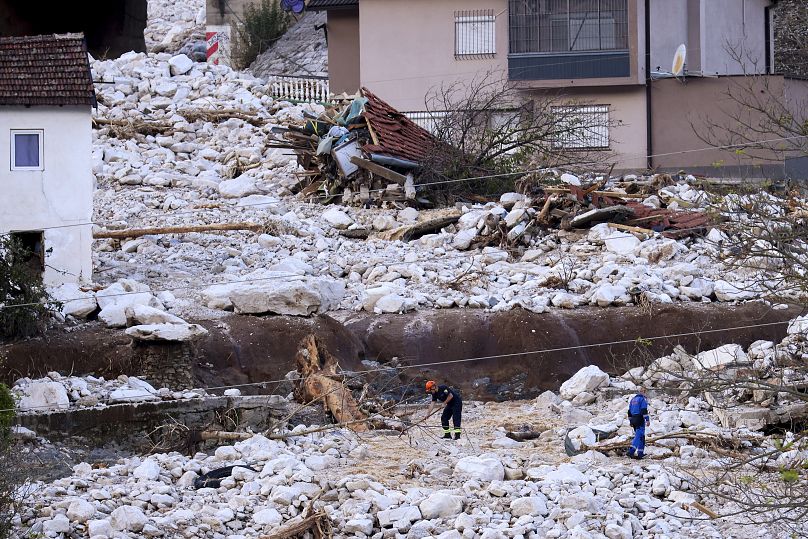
x=264, y=22
x=11, y=470
x=6, y=414
x=20, y=285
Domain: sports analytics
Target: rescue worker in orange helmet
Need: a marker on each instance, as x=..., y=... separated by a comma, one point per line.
x=453, y=408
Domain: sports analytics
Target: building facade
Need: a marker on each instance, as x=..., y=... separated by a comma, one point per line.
x=612, y=58
x=46, y=96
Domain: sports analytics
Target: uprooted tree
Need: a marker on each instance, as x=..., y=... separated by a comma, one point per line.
x=489, y=126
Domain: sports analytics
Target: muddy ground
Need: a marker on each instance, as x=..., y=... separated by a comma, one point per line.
x=245, y=349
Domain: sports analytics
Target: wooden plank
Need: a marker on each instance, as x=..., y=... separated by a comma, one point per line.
x=600, y=193
x=379, y=170
x=628, y=228
x=137, y=232
x=372, y=132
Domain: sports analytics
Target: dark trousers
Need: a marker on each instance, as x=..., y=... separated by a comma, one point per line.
x=452, y=410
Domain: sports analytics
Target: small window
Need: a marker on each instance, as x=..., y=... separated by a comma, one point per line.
x=582, y=127
x=474, y=34
x=26, y=149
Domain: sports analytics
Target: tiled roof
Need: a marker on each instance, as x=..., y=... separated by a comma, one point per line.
x=319, y=5
x=45, y=70
x=397, y=135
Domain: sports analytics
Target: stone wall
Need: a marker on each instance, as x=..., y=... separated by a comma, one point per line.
x=302, y=51
x=166, y=364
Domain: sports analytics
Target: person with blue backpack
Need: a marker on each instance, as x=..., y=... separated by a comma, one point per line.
x=639, y=419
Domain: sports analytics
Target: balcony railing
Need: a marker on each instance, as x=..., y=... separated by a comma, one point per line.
x=569, y=65
x=310, y=89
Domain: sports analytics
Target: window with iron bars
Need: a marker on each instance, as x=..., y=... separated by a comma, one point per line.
x=582, y=127
x=475, y=35
x=552, y=26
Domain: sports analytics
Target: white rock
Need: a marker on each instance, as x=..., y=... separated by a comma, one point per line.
x=267, y=517
x=113, y=316
x=720, y=357
x=143, y=314
x=391, y=303
x=180, y=64
x=570, y=179
x=607, y=294
x=167, y=332
x=149, y=470
x=407, y=513
x=798, y=325
x=58, y=524
x=408, y=215
x=41, y=396
x=80, y=510
x=581, y=438
x=507, y=200
x=726, y=291
x=238, y=187
x=621, y=243
x=127, y=394
x=337, y=218
x=441, y=505
x=97, y=528
x=566, y=473
x=296, y=298
x=128, y=518
x=75, y=302
x=588, y=379
x=462, y=240
x=530, y=505
x=480, y=468
x=292, y=265
x=359, y=525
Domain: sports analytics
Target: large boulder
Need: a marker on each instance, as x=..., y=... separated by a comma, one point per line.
x=143, y=314
x=529, y=506
x=587, y=379
x=441, y=505
x=720, y=357
x=337, y=218
x=75, y=302
x=41, y=396
x=128, y=518
x=407, y=513
x=238, y=187
x=481, y=468
x=291, y=297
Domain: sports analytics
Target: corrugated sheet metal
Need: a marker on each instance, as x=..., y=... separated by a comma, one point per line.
x=45, y=70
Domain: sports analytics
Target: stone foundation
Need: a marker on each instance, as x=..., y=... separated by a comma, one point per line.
x=166, y=364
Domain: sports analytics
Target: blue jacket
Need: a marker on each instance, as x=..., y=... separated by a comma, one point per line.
x=638, y=407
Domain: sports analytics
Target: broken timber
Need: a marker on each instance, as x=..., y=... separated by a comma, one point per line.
x=138, y=232
x=318, y=372
x=379, y=170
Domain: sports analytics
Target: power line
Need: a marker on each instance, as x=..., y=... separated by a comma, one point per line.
x=354, y=374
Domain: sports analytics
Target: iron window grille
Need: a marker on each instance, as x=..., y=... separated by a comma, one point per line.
x=475, y=34
x=582, y=127
x=558, y=26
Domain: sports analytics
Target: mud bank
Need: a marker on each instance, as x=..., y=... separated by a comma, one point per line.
x=244, y=349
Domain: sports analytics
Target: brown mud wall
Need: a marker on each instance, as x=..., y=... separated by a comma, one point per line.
x=248, y=349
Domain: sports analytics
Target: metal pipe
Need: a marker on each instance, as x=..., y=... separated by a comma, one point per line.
x=648, y=110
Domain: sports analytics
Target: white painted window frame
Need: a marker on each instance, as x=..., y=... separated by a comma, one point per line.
x=41, y=134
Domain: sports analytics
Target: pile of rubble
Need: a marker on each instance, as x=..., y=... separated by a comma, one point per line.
x=57, y=392
x=364, y=152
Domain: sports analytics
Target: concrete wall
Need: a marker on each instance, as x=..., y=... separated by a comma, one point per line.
x=222, y=11
x=669, y=25
x=61, y=194
x=739, y=24
x=343, y=50
x=408, y=47
x=680, y=111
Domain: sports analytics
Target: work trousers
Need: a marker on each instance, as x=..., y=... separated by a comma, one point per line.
x=638, y=444
x=454, y=411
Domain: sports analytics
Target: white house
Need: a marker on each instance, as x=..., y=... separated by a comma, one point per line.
x=46, y=183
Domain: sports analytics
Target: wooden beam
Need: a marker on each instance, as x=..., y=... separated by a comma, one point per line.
x=601, y=193
x=379, y=170
x=137, y=232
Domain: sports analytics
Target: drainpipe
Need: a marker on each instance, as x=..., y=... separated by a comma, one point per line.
x=648, y=116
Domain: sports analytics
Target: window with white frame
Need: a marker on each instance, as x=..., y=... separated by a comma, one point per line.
x=582, y=127
x=27, y=149
x=475, y=34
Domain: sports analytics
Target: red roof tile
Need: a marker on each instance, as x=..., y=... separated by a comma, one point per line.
x=397, y=135
x=45, y=70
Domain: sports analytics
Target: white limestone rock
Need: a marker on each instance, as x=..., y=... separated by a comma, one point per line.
x=720, y=357
x=58, y=524
x=588, y=379
x=149, y=470
x=42, y=396
x=75, y=302
x=529, y=506
x=480, y=468
x=267, y=517
x=337, y=218
x=80, y=510
x=406, y=513
x=101, y=527
x=167, y=332
x=441, y=505
x=726, y=291
x=180, y=64
x=128, y=518
x=581, y=438
x=238, y=187
x=145, y=315
x=291, y=297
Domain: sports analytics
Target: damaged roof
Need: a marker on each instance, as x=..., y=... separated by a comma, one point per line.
x=319, y=5
x=45, y=70
x=395, y=134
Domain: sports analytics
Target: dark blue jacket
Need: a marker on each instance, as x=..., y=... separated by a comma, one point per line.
x=443, y=393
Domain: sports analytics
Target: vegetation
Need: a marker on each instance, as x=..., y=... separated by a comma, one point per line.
x=791, y=37
x=264, y=22
x=20, y=285
x=10, y=477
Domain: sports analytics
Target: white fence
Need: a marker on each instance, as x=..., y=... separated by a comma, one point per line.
x=299, y=88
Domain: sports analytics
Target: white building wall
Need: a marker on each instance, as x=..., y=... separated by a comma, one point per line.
x=668, y=31
x=60, y=194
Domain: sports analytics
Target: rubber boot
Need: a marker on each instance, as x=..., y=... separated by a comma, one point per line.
x=457, y=436
x=447, y=436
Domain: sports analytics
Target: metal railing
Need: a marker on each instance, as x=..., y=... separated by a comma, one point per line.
x=299, y=88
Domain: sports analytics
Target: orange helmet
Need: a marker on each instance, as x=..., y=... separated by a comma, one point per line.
x=430, y=385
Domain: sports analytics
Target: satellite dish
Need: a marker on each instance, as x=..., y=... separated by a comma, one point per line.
x=679, y=58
